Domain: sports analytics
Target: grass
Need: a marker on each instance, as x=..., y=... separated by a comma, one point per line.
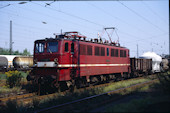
x=59, y=98
x=140, y=105
x=4, y=89
x=2, y=76
x=157, y=100
x=67, y=97
x=122, y=84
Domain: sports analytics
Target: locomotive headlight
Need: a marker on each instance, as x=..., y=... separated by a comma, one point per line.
x=35, y=61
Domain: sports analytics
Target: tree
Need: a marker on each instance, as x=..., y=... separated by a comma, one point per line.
x=4, y=51
x=26, y=52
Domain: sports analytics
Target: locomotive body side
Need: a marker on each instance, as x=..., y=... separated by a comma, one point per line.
x=99, y=59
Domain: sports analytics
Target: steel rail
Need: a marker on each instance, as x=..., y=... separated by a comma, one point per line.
x=94, y=96
x=17, y=97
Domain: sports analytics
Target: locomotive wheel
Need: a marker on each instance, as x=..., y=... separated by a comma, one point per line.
x=71, y=88
x=63, y=86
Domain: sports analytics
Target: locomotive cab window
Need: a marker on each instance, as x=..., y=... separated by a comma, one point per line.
x=52, y=47
x=39, y=47
x=66, y=47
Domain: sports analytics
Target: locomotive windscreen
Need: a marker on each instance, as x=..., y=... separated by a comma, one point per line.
x=49, y=47
x=39, y=47
x=52, y=47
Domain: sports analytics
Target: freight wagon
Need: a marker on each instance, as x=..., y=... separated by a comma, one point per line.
x=15, y=62
x=140, y=66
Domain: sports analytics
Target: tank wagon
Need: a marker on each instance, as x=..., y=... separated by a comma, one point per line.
x=3, y=63
x=165, y=64
x=69, y=60
x=23, y=62
x=9, y=59
x=15, y=62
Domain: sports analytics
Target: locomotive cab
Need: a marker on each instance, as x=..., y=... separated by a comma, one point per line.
x=46, y=53
x=51, y=61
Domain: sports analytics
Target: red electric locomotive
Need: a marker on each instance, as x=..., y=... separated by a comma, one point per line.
x=70, y=60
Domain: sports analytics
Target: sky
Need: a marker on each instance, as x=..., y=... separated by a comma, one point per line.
x=142, y=23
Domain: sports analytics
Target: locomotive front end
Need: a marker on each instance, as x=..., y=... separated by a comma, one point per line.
x=46, y=59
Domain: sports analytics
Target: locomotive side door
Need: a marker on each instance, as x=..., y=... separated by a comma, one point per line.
x=74, y=59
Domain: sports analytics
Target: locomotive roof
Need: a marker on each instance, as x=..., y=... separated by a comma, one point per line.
x=54, y=39
x=86, y=41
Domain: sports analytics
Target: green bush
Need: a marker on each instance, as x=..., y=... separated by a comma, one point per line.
x=13, y=78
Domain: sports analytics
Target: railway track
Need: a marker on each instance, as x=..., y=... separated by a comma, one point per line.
x=17, y=97
x=28, y=98
x=104, y=98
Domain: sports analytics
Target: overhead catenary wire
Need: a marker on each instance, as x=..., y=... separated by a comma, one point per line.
x=71, y=15
x=33, y=20
x=53, y=17
x=139, y=39
x=157, y=27
x=156, y=14
x=28, y=18
x=119, y=30
x=148, y=38
x=5, y=6
x=119, y=19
